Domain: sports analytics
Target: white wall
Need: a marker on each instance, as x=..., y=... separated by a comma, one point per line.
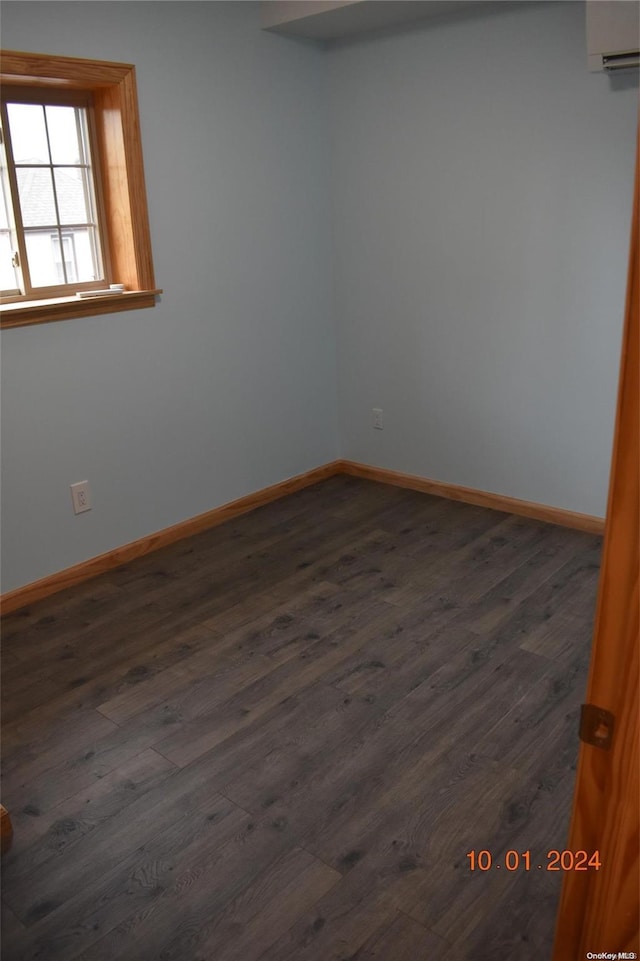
x=228, y=385
x=482, y=186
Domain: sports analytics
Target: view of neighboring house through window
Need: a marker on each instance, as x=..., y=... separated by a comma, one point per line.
x=50, y=241
x=65, y=258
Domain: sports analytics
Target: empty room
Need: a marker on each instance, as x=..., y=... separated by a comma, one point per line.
x=319, y=480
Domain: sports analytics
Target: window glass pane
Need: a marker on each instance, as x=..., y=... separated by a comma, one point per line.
x=8, y=275
x=64, y=259
x=28, y=133
x=72, y=196
x=35, y=188
x=8, y=279
x=80, y=249
x=56, y=199
x=44, y=258
x=63, y=135
x=4, y=199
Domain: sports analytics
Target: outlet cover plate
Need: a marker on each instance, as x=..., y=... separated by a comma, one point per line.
x=81, y=497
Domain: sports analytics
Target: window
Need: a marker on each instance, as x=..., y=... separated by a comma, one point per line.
x=50, y=195
x=64, y=258
x=73, y=214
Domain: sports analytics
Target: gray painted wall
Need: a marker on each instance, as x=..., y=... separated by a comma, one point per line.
x=482, y=185
x=229, y=384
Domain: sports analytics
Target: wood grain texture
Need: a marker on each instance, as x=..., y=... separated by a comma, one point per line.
x=121, y=167
x=120, y=145
x=512, y=505
x=600, y=911
x=17, y=67
x=134, y=206
x=28, y=313
x=13, y=600
x=279, y=738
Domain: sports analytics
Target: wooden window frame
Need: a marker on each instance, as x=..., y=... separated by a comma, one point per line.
x=115, y=106
x=46, y=96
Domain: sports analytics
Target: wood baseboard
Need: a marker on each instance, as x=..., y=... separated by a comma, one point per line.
x=499, y=502
x=30, y=593
x=21, y=596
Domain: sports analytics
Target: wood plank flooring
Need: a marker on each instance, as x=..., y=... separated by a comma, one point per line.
x=279, y=740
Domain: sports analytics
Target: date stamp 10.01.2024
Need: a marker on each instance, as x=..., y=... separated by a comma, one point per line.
x=553, y=860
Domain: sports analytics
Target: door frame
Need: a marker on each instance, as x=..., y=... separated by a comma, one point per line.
x=599, y=909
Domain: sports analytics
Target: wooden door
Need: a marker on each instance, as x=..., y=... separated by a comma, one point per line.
x=599, y=909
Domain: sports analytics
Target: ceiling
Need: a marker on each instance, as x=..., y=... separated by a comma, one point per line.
x=328, y=21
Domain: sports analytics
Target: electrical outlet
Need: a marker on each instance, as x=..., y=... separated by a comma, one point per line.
x=377, y=418
x=81, y=497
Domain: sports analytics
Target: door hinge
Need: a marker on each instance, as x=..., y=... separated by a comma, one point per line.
x=15, y=260
x=596, y=726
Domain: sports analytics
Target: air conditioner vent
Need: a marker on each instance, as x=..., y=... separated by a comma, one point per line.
x=613, y=29
x=621, y=61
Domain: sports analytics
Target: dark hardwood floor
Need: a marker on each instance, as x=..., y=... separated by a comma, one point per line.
x=280, y=739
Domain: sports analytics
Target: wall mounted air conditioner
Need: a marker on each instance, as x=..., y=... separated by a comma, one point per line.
x=613, y=35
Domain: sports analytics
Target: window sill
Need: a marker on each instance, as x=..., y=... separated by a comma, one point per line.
x=66, y=308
